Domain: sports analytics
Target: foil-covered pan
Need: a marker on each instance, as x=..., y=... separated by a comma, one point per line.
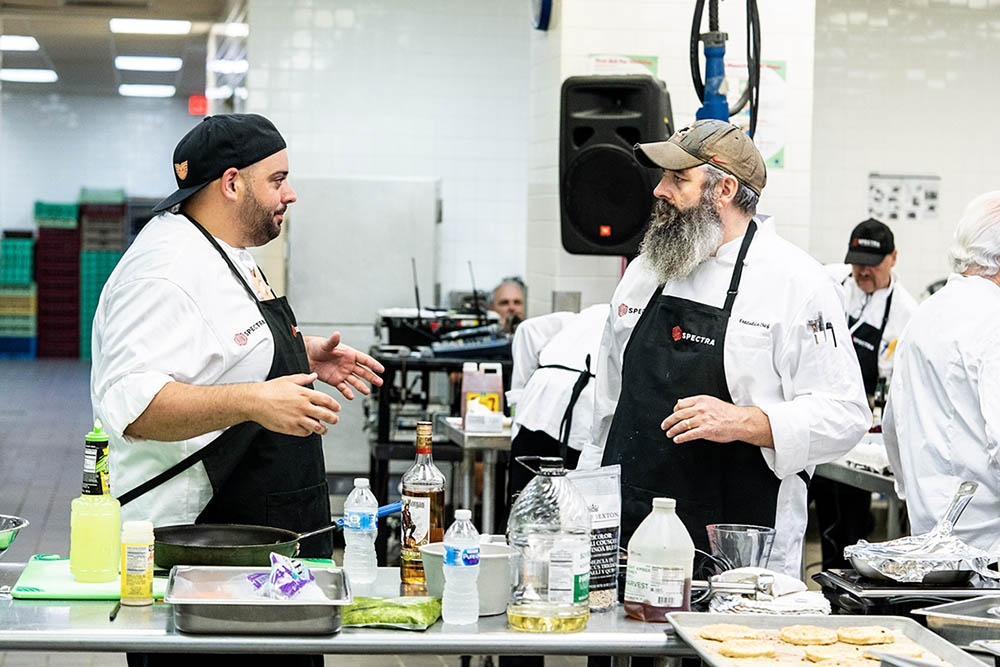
x=936, y=557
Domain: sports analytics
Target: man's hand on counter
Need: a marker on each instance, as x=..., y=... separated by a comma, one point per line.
x=709, y=418
x=342, y=366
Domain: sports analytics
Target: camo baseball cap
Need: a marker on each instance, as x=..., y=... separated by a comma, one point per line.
x=708, y=141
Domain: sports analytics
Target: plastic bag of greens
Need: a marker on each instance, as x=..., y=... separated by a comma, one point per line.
x=402, y=613
x=602, y=490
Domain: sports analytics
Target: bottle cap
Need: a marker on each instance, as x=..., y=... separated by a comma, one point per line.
x=469, y=367
x=137, y=531
x=361, y=483
x=664, y=503
x=425, y=428
x=551, y=466
x=97, y=435
x=463, y=515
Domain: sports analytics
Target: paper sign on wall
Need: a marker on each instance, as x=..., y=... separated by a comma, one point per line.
x=771, y=117
x=614, y=63
x=899, y=197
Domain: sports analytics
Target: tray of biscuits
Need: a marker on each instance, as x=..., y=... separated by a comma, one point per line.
x=752, y=640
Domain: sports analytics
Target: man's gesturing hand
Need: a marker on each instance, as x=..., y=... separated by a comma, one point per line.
x=342, y=366
x=709, y=418
x=286, y=405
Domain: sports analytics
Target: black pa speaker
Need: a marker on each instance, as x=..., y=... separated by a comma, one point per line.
x=606, y=196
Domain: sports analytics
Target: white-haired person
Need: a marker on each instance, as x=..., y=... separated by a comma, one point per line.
x=942, y=421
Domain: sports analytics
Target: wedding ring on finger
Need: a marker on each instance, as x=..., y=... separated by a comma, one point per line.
x=687, y=425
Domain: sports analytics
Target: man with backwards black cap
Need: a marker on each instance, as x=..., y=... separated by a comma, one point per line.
x=878, y=309
x=725, y=371
x=200, y=375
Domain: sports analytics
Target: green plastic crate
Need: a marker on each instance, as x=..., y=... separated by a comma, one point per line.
x=56, y=211
x=16, y=260
x=102, y=196
x=18, y=326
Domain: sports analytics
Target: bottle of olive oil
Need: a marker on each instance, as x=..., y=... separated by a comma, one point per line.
x=423, y=507
x=95, y=522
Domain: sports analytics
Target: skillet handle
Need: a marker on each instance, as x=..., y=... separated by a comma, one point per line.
x=385, y=510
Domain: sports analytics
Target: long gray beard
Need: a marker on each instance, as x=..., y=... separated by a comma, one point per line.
x=678, y=241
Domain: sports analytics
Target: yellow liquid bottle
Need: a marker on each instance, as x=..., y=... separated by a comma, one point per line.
x=95, y=518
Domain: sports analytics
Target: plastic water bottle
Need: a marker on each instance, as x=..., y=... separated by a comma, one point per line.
x=460, y=603
x=360, y=527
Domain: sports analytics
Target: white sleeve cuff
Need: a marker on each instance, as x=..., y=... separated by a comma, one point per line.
x=790, y=433
x=128, y=398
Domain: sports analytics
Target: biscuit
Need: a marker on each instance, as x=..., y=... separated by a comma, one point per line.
x=807, y=635
x=865, y=635
x=902, y=650
x=746, y=648
x=721, y=632
x=832, y=652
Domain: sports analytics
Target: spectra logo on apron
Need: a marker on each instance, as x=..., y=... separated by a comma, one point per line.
x=674, y=352
x=258, y=476
x=867, y=341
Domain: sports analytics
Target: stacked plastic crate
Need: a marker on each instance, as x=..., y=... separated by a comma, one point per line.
x=57, y=272
x=18, y=296
x=103, y=231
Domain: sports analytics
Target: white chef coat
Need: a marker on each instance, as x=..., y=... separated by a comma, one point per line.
x=172, y=310
x=870, y=308
x=540, y=395
x=811, y=391
x=942, y=422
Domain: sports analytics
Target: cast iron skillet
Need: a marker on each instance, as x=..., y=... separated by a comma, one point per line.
x=231, y=544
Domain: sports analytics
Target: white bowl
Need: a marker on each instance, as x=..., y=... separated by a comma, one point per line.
x=494, y=575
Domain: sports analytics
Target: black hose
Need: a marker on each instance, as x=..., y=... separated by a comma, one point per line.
x=753, y=62
x=699, y=84
x=713, y=15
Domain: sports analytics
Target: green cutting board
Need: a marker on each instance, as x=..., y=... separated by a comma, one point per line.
x=47, y=577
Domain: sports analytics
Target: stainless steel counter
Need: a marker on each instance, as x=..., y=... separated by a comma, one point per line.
x=487, y=443
x=840, y=471
x=82, y=625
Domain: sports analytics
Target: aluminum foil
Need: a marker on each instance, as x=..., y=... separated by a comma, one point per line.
x=910, y=559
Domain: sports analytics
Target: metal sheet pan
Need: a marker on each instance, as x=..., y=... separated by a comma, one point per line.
x=686, y=625
x=252, y=615
x=965, y=621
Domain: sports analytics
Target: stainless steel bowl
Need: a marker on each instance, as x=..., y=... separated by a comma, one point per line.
x=9, y=527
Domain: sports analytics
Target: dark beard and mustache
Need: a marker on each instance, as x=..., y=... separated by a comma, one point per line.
x=678, y=241
x=259, y=221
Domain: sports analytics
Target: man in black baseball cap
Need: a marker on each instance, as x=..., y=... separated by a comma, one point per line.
x=200, y=374
x=878, y=309
x=216, y=144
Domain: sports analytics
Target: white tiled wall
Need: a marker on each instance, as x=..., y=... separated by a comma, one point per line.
x=658, y=28
x=903, y=87
x=52, y=145
x=401, y=88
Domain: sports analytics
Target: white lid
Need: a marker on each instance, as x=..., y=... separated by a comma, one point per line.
x=360, y=482
x=463, y=515
x=138, y=525
x=469, y=367
x=664, y=503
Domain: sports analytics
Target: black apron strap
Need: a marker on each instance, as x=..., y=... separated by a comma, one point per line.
x=567, y=420
x=804, y=476
x=225, y=256
x=183, y=464
x=734, y=283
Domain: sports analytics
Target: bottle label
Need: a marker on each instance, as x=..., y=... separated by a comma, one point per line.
x=415, y=526
x=461, y=557
x=95, y=469
x=137, y=571
x=569, y=571
x=355, y=520
x=655, y=585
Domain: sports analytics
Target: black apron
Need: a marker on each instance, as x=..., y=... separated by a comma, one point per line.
x=583, y=378
x=674, y=352
x=260, y=477
x=867, y=340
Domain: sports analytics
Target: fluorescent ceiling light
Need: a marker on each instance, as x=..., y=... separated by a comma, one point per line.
x=150, y=26
x=18, y=43
x=29, y=75
x=148, y=63
x=236, y=30
x=228, y=66
x=219, y=92
x=145, y=90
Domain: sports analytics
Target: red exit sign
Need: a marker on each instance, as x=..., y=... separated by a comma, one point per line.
x=197, y=105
